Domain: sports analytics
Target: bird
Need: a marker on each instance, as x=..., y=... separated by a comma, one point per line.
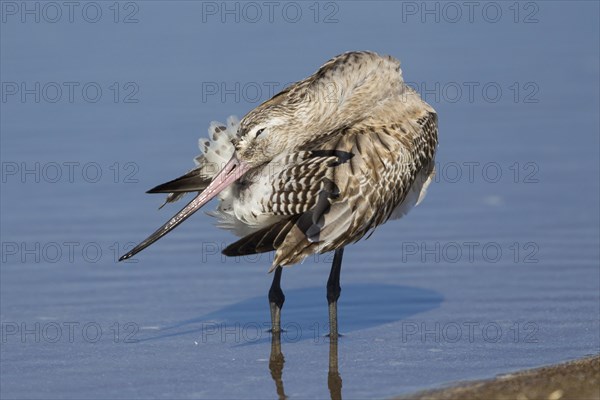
x=315, y=168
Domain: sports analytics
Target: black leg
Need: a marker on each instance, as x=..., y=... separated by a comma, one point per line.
x=333, y=292
x=276, y=300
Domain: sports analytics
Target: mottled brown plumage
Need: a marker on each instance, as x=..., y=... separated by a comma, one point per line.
x=352, y=169
x=316, y=167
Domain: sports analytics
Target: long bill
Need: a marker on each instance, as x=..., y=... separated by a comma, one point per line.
x=232, y=171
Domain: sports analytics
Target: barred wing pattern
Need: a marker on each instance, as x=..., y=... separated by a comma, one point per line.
x=332, y=195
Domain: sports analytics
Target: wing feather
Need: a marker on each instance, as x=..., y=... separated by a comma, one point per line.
x=335, y=194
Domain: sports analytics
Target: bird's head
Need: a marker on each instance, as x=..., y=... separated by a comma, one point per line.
x=266, y=133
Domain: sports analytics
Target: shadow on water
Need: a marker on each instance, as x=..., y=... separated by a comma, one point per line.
x=360, y=307
x=304, y=315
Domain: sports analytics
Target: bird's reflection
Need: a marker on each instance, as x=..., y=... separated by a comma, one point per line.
x=277, y=361
x=334, y=380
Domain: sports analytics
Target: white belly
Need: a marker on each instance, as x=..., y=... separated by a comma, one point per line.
x=416, y=194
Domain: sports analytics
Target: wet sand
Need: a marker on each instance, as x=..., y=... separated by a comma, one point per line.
x=576, y=380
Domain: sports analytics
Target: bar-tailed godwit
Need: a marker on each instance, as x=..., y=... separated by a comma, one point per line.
x=315, y=168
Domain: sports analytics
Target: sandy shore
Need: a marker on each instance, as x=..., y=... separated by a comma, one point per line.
x=576, y=380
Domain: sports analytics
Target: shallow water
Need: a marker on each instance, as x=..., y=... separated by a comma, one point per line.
x=496, y=271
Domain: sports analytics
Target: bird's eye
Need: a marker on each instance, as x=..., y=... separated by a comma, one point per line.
x=258, y=132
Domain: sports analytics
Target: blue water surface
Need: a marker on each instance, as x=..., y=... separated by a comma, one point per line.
x=496, y=271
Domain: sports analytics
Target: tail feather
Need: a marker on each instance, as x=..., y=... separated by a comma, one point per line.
x=194, y=181
x=262, y=241
x=215, y=152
